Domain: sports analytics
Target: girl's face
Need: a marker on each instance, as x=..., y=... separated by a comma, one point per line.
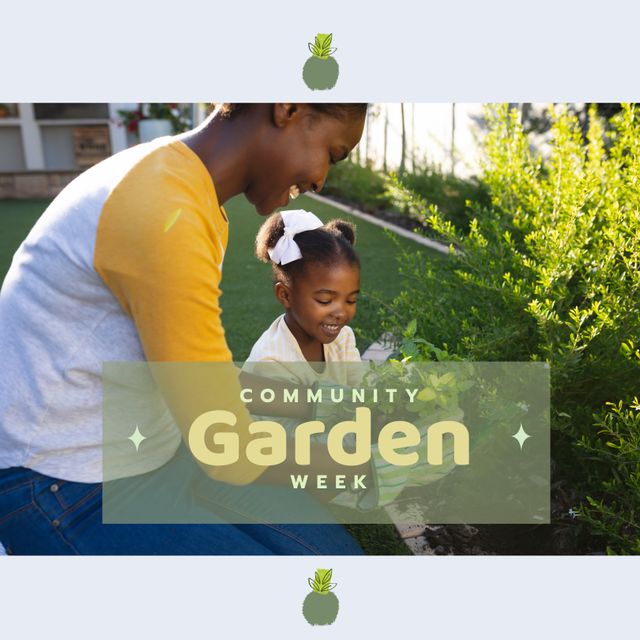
x=320, y=301
x=297, y=151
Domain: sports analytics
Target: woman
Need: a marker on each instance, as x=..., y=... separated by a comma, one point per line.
x=125, y=264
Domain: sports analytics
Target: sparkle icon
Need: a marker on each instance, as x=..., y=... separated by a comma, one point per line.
x=136, y=437
x=521, y=436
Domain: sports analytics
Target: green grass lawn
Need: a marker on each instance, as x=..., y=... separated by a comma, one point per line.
x=16, y=218
x=248, y=303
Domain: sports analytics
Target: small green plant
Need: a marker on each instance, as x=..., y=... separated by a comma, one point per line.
x=321, y=605
x=321, y=69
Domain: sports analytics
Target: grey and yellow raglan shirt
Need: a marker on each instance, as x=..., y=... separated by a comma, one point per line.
x=124, y=265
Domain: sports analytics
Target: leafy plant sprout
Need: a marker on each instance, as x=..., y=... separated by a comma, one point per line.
x=321, y=605
x=321, y=69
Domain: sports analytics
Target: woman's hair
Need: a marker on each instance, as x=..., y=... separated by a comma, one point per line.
x=341, y=111
x=327, y=245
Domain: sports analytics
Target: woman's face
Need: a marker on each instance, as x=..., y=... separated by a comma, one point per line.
x=296, y=151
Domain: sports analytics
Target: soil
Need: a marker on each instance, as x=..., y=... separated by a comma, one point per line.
x=564, y=536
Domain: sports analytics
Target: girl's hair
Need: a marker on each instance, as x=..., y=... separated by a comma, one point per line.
x=341, y=111
x=328, y=245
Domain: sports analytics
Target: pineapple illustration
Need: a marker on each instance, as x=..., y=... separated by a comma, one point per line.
x=321, y=606
x=321, y=70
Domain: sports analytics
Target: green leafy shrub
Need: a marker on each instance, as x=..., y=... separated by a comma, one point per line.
x=359, y=184
x=547, y=270
x=451, y=195
x=613, y=515
x=375, y=191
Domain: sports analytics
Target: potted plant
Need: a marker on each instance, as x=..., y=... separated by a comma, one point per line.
x=154, y=119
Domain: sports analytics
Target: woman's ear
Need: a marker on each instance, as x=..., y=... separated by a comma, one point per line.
x=283, y=294
x=284, y=112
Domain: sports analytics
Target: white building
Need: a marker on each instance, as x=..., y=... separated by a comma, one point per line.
x=43, y=146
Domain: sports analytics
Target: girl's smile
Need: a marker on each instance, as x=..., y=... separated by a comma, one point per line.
x=332, y=330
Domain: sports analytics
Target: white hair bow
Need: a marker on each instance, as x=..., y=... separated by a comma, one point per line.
x=286, y=249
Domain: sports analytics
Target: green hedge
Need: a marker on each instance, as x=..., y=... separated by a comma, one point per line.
x=360, y=185
x=376, y=192
x=453, y=196
x=548, y=270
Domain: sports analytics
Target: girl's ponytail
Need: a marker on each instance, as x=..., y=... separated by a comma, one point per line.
x=270, y=232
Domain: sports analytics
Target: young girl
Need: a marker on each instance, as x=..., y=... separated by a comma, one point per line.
x=317, y=280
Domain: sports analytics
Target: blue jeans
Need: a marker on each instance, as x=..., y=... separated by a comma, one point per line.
x=41, y=515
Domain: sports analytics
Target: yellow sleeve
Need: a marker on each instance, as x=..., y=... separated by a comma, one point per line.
x=159, y=249
x=162, y=259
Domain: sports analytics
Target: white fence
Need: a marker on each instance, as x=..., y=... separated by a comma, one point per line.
x=444, y=135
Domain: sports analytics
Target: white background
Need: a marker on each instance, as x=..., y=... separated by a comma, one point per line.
x=453, y=50
x=125, y=51
x=489, y=598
